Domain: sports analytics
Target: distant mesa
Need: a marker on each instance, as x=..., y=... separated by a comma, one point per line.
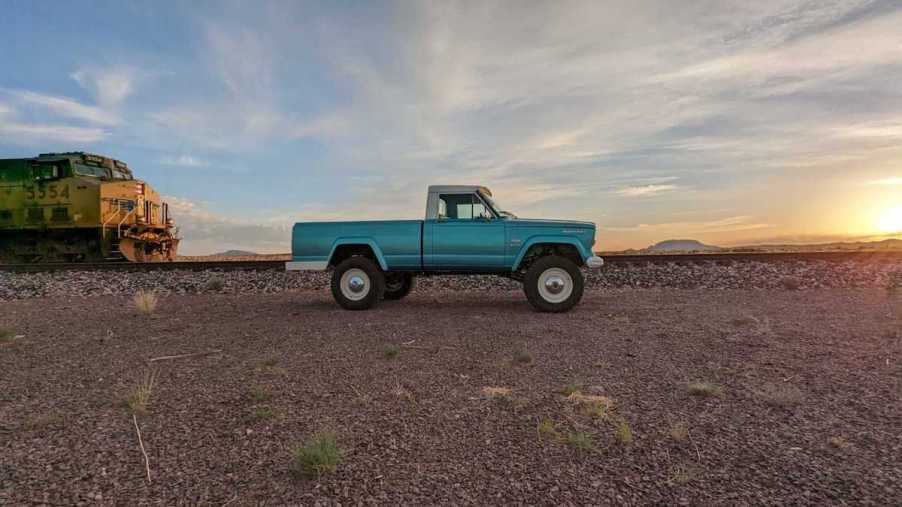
x=681, y=245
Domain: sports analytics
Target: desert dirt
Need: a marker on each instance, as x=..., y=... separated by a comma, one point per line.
x=458, y=398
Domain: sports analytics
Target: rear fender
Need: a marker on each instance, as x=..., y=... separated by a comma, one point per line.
x=360, y=240
x=556, y=240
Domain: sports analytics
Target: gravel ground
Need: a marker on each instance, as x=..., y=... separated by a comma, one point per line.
x=808, y=412
x=739, y=275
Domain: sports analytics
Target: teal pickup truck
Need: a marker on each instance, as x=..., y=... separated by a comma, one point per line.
x=465, y=232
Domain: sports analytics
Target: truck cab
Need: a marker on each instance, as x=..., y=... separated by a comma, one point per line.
x=464, y=231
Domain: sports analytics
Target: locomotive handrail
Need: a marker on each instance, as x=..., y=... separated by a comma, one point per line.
x=119, y=227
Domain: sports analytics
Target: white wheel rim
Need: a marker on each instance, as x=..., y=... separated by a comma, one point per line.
x=555, y=285
x=355, y=284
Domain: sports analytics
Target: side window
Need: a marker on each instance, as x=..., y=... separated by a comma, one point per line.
x=461, y=207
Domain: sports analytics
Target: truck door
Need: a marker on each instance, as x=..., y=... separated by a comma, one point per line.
x=465, y=235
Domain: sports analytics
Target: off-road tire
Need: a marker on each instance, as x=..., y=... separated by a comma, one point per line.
x=374, y=283
x=542, y=299
x=398, y=285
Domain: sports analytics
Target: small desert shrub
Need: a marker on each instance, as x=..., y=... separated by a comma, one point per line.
x=679, y=431
x=391, y=351
x=262, y=413
x=261, y=394
x=781, y=395
x=317, y=456
x=145, y=301
x=6, y=335
x=214, y=285
x=704, y=389
x=571, y=388
x=522, y=356
x=546, y=427
x=790, y=283
x=45, y=421
x=679, y=475
x=623, y=432
x=839, y=442
x=580, y=440
x=269, y=362
x=139, y=396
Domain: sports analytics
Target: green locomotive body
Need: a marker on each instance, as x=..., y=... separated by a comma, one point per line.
x=70, y=207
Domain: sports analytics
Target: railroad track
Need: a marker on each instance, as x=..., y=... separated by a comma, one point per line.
x=720, y=258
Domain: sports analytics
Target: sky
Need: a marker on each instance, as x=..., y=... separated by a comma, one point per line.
x=730, y=122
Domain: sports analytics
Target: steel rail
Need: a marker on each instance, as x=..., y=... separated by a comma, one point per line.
x=719, y=258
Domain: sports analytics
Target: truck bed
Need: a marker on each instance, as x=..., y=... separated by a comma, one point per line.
x=400, y=241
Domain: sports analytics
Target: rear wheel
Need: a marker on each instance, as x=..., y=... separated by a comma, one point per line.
x=358, y=283
x=553, y=284
x=398, y=285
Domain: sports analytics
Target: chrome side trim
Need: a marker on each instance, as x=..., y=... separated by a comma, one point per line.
x=594, y=262
x=307, y=266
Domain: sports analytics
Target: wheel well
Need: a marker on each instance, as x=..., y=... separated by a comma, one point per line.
x=544, y=249
x=344, y=252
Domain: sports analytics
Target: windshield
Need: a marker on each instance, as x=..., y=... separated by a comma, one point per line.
x=496, y=207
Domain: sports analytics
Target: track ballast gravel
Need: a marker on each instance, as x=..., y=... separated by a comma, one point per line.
x=809, y=412
x=706, y=275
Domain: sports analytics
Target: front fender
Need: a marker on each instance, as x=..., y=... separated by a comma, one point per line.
x=554, y=240
x=360, y=240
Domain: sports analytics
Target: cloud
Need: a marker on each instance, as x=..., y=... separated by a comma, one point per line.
x=67, y=107
x=24, y=133
x=646, y=190
x=887, y=181
x=184, y=161
x=722, y=225
x=110, y=86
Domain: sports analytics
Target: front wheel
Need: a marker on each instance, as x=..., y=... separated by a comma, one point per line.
x=398, y=285
x=358, y=283
x=553, y=284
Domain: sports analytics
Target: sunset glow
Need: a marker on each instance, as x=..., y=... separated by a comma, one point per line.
x=890, y=220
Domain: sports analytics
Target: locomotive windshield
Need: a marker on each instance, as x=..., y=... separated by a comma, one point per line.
x=89, y=170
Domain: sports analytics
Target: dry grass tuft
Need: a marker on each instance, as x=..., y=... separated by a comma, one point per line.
x=261, y=394
x=391, y=351
x=571, y=388
x=6, y=335
x=781, y=395
x=839, y=442
x=139, y=397
x=547, y=427
x=623, y=432
x=679, y=431
x=580, y=440
x=262, y=413
x=51, y=420
x=496, y=392
x=271, y=366
x=894, y=283
x=146, y=301
x=317, y=456
x=403, y=393
x=704, y=389
x=679, y=475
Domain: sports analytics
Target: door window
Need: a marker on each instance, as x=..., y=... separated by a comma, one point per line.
x=461, y=207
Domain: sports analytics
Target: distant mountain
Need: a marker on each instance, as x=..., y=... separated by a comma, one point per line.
x=681, y=245
x=235, y=253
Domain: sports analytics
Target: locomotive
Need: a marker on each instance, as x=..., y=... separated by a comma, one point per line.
x=80, y=207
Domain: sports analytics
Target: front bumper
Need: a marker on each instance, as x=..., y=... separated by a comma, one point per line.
x=594, y=262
